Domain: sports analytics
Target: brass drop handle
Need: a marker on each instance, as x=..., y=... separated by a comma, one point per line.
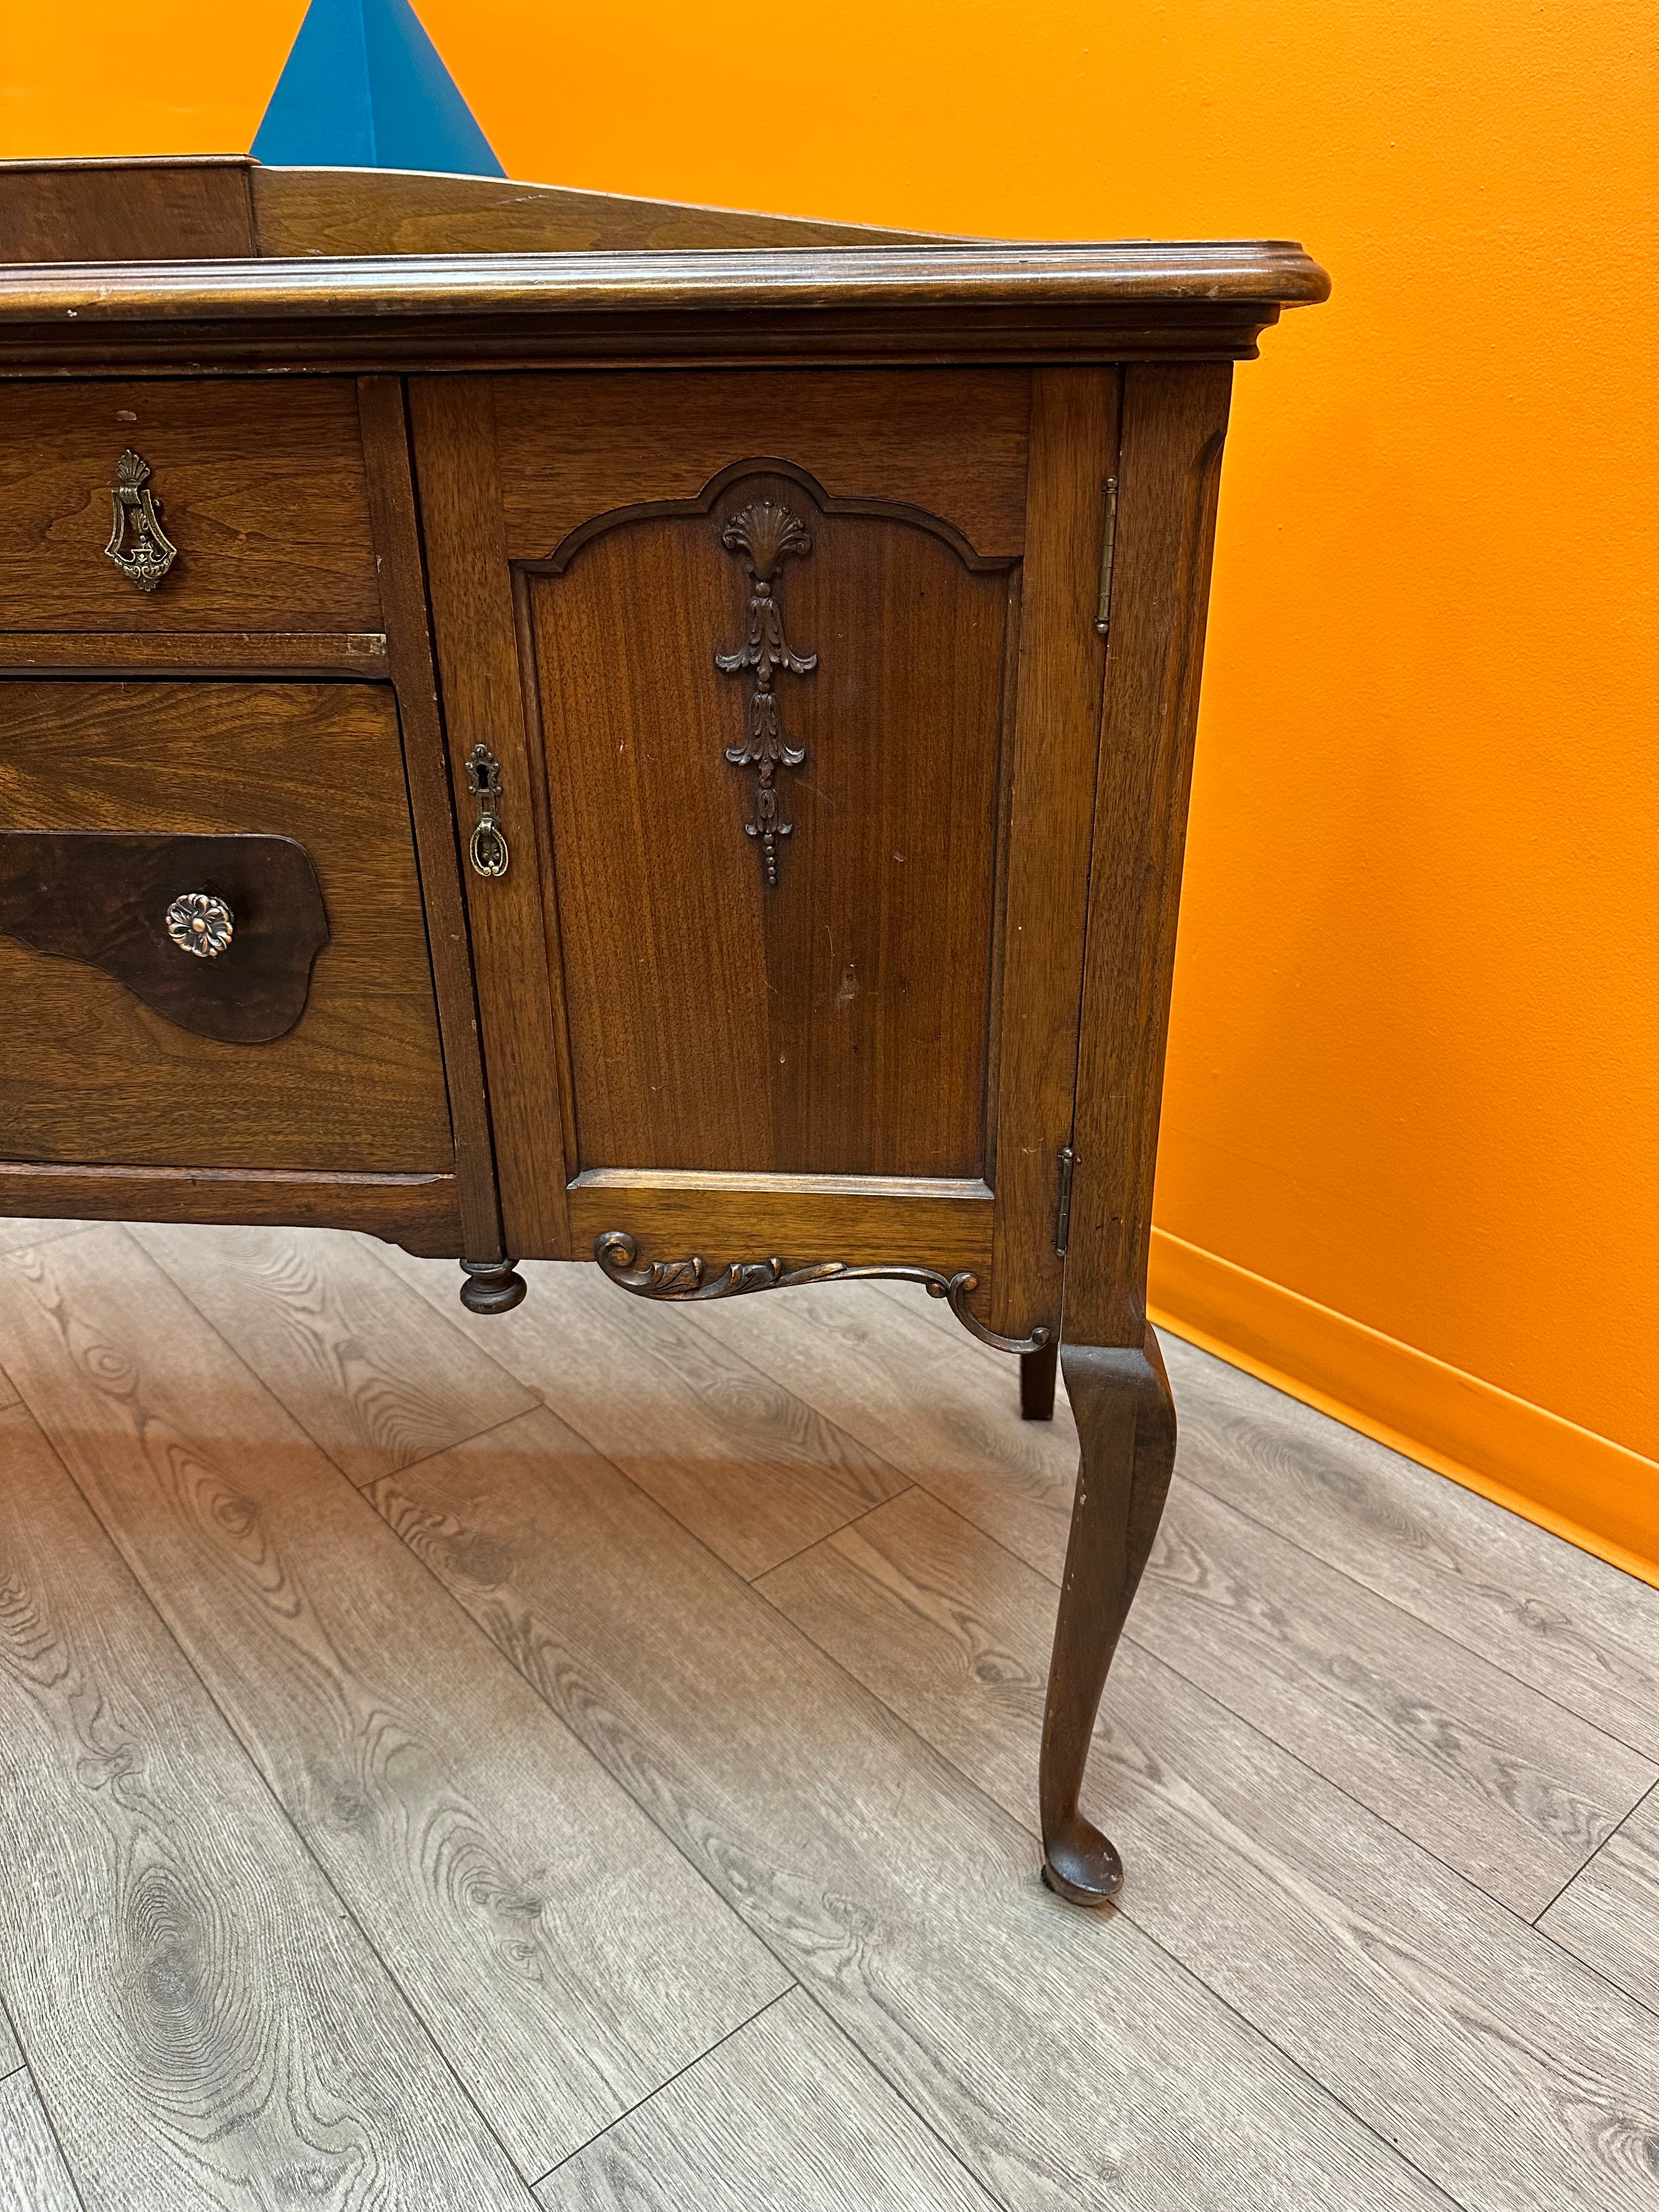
x=487, y=849
x=199, y=923
x=138, y=545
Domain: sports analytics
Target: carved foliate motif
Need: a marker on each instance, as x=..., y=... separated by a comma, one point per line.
x=763, y=533
x=685, y=1281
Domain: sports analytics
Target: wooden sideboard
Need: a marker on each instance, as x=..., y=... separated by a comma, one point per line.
x=548, y=726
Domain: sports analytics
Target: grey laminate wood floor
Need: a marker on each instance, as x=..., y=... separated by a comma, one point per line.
x=587, y=1760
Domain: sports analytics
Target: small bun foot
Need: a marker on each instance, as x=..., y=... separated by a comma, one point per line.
x=1083, y=1865
x=491, y=1287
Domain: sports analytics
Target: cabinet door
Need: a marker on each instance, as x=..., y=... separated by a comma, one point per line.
x=791, y=682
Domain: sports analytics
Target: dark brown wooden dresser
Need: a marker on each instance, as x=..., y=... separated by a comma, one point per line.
x=549, y=726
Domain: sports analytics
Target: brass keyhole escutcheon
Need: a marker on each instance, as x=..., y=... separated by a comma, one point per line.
x=487, y=849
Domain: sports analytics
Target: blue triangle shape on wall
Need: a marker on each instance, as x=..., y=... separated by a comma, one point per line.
x=364, y=88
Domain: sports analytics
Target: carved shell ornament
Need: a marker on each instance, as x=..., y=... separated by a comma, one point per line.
x=766, y=533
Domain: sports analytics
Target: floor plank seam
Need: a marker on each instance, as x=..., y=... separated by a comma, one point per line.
x=1370, y=1811
x=420, y=1459
x=994, y=1811
x=640, y=2103
x=1198, y=1690
x=687, y=1323
x=1619, y=1989
x=1642, y=1750
x=208, y=1321
x=1290, y=1750
x=1321, y=2088
x=1251, y=2027
x=869, y=2059
x=416, y=2016
x=51, y=2129
x=726, y=1567
x=53, y=1232
x=840, y=1531
x=1628, y=1816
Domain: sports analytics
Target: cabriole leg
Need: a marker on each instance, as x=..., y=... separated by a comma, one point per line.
x=1126, y=1426
x=492, y=1286
x=1036, y=1381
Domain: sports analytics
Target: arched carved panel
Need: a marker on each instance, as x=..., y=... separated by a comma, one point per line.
x=769, y=671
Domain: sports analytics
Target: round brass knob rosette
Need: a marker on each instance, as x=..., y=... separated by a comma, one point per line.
x=199, y=923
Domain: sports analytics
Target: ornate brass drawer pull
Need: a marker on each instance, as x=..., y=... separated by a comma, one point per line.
x=139, y=527
x=199, y=923
x=487, y=850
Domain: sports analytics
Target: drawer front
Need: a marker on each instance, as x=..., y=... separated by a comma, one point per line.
x=256, y=489
x=212, y=951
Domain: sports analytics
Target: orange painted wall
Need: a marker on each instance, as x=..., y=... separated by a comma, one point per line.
x=1412, y=1075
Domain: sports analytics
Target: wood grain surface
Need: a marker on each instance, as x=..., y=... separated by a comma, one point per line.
x=952, y=441
x=1054, y=743
x=1499, y=1781
x=146, y=209
x=1411, y=1995
x=741, y=1460
x=784, y=2114
x=33, y=2175
x=1494, y=1777
x=103, y=898
x=93, y=1075
x=377, y=211
x=1608, y=1915
x=1174, y=423
x=395, y=513
x=1062, y=2058
x=360, y=656
x=16, y=1232
x=369, y=1371
x=857, y=1779
x=861, y=1220
x=516, y=1894
x=11, y=2057
x=1562, y=1620
x=261, y=488
x=206, y=2025
x=838, y=1023
x=922, y=1397
x=422, y=1212
x=514, y=966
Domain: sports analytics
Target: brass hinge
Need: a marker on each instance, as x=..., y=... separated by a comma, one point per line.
x=1108, y=545
x=1063, y=1212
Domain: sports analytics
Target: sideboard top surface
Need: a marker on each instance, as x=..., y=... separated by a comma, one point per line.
x=222, y=264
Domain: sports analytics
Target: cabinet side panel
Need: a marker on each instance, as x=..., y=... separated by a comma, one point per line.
x=1174, y=422
x=1074, y=415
